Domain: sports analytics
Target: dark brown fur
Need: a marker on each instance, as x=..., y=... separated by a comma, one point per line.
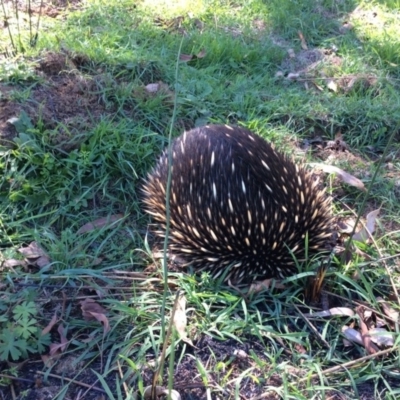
x=238, y=205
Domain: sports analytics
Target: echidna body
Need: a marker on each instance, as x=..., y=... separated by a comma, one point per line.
x=237, y=206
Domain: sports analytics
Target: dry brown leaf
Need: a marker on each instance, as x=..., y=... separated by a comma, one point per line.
x=89, y=306
x=389, y=311
x=185, y=57
x=92, y=310
x=239, y=353
x=190, y=57
x=160, y=391
x=346, y=225
x=332, y=85
x=63, y=338
x=292, y=76
x=35, y=255
x=346, y=177
x=319, y=87
x=50, y=325
x=152, y=87
x=180, y=320
x=352, y=335
x=265, y=285
x=381, y=337
x=370, y=347
x=99, y=223
x=50, y=360
x=32, y=251
x=341, y=311
x=12, y=262
x=369, y=227
x=41, y=261
x=201, y=54
x=302, y=41
x=56, y=348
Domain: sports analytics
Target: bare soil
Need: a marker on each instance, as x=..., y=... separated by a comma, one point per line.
x=65, y=100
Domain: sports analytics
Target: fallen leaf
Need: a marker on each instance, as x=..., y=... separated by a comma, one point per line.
x=35, y=255
x=320, y=88
x=370, y=347
x=302, y=41
x=99, y=223
x=369, y=228
x=42, y=261
x=265, y=285
x=63, y=338
x=381, y=337
x=185, y=57
x=389, y=311
x=12, y=262
x=180, y=319
x=33, y=250
x=201, y=54
x=346, y=177
x=341, y=311
x=48, y=360
x=56, y=348
x=292, y=76
x=189, y=57
x=50, y=325
x=352, y=335
x=332, y=85
x=240, y=354
x=160, y=391
x=152, y=87
x=92, y=310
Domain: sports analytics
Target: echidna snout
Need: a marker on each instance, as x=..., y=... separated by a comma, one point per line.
x=237, y=206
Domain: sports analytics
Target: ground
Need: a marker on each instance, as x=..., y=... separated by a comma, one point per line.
x=81, y=123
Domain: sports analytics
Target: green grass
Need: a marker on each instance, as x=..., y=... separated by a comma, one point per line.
x=71, y=163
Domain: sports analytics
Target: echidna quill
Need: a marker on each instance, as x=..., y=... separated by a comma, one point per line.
x=238, y=208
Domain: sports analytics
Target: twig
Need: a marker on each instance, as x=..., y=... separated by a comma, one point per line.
x=121, y=375
x=335, y=369
x=164, y=349
x=366, y=306
x=16, y=378
x=313, y=328
x=349, y=364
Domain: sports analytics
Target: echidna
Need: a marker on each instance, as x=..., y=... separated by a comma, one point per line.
x=237, y=206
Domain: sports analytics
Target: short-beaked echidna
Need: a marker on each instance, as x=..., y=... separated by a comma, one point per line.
x=237, y=206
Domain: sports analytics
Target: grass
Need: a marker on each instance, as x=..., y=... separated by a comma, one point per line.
x=85, y=132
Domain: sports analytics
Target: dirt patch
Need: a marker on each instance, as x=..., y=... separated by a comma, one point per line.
x=66, y=102
x=35, y=8
x=8, y=110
